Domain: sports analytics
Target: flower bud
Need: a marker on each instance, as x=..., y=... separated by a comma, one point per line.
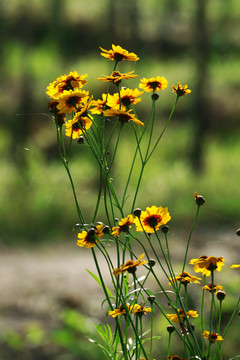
x=170, y=329
x=155, y=96
x=80, y=140
x=238, y=232
x=106, y=229
x=151, y=299
x=91, y=232
x=152, y=262
x=165, y=229
x=220, y=295
x=137, y=212
x=52, y=106
x=199, y=199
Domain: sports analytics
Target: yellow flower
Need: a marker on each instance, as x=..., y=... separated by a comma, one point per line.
x=235, y=266
x=69, y=100
x=128, y=97
x=88, y=238
x=66, y=82
x=213, y=338
x=151, y=219
x=123, y=116
x=207, y=264
x=116, y=77
x=153, y=84
x=130, y=266
x=124, y=225
x=76, y=126
x=215, y=287
x=139, y=309
x=185, y=278
x=180, y=315
x=98, y=105
x=117, y=53
x=119, y=311
x=181, y=90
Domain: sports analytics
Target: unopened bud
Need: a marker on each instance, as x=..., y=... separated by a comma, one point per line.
x=165, y=229
x=80, y=140
x=137, y=212
x=91, y=233
x=238, y=232
x=151, y=299
x=199, y=199
x=152, y=262
x=170, y=329
x=106, y=229
x=155, y=96
x=220, y=295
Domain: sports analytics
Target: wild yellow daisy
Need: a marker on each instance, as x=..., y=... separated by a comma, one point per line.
x=78, y=125
x=181, y=316
x=235, y=266
x=123, y=225
x=130, y=266
x=117, y=53
x=151, y=219
x=88, y=238
x=215, y=288
x=213, y=338
x=153, y=84
x=181, y=90
x=69, y=100
x=66, y=82
x=119, y=311
x=128, y=97
x=185, y=278
x=116, y=77
x=139, y=309
x=98, y=105
x=206, y=264
x=123, y=116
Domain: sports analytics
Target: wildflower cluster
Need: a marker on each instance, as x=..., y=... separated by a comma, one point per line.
x=129, y=300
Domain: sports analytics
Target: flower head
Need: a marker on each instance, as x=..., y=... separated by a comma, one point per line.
x=130, y=266
x=127, y=97
x=117, y=53
x=215, y=288
x=175, y=357
x=185, y=278
x=88, y=238
x=66, y=82
x=199, y=199
x=119, y=311
x=151, y=219
x=235, y=266
x=123, y=116
x=116, y=77
x=206, y=264
x=153, y=84
x=213, y=338
x=181, y=316
x=69, y=100
x=98, y=105
x=123, y=225
x=139, y=309
x=78, y=125
x=181, y=90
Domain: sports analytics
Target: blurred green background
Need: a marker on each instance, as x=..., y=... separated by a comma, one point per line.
x=194, y=42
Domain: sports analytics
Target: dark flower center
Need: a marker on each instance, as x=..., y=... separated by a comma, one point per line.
x=124, y=118
x=153, y=84
x=124, y=228
x=117, y=56
x=152, y=221
x=126, y=100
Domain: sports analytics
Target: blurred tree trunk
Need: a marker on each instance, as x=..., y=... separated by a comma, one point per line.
x=201, y=113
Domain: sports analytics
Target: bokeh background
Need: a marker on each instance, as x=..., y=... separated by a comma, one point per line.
x=194, y=42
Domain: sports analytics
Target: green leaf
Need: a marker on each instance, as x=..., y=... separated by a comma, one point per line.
x=99, y=282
